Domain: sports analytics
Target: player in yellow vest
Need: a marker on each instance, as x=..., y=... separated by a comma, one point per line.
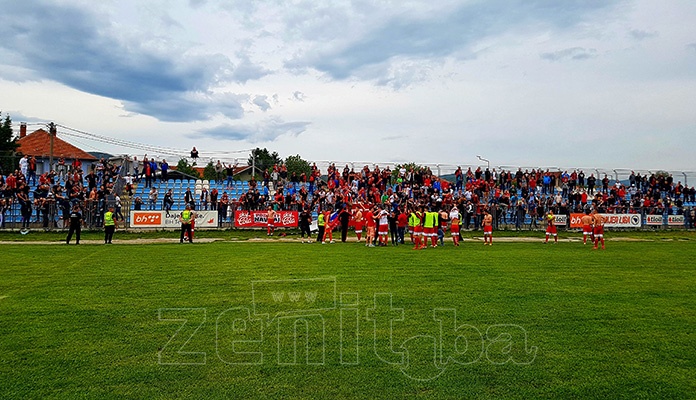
x=411, y=224
x=430, y=228
x=551, y=227
x=110, y=223
x=321, y=224
x=185, y=218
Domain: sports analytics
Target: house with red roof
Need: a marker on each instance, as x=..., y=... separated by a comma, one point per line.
x=38, y=144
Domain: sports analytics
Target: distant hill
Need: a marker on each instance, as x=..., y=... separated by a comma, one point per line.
x=99, y=155
x=448, y=177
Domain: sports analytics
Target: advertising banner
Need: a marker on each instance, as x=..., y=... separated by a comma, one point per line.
x=622, y=220
x=560, y=220
x=258, y=219
x=653, y=220
x=163, y=219
x=576, y=220
x=675, y=220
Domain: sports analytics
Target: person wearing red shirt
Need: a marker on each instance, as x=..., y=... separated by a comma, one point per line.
x=401, y=223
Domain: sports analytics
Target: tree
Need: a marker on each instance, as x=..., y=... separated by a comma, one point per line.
x=297, y=165
x=8, y=146
x=408, y=167
x=185, y=168
x=264, y=159
x=209, y=171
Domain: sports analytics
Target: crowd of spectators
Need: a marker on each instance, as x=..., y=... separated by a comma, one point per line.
x=54, y=193
x=513, y=197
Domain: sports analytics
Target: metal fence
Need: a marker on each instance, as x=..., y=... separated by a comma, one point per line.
x=55, y=217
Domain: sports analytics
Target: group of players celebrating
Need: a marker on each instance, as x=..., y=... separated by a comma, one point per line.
x=426, y=225
x=592, y=227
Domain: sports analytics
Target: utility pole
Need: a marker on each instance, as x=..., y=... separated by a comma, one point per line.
x=51, y=135
x=253, y=164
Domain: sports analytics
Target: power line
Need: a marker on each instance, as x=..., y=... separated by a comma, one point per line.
x=145, y=147
x=124, y=143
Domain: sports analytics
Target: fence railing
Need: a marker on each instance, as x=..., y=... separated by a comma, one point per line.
x=55, y=217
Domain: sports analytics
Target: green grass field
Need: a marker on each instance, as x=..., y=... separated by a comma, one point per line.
x=532, y=321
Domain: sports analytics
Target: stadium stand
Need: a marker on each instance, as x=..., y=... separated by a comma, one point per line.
x=516, y=198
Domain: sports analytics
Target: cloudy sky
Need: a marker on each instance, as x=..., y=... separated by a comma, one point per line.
x=572, y=83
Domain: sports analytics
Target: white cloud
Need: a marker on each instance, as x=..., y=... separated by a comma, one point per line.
x=267, y=130
x=573, y=53
x=642, y=35
x=262, y=103
x=358, y=80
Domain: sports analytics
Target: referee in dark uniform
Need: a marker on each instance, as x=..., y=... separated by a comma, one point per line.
x=76, y=222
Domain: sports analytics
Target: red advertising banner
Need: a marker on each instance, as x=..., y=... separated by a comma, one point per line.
x=576, y=220
x=258, y=219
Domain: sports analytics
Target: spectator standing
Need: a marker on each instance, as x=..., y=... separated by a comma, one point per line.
x=164, y=167
x=153, y=169
x=218, y=171
x=62, y=169
x=222, y=209
x=31, y=168
x=204, y=198
x=188, y=198
x=152, y=198
x=147, y=172
x=136, y=169
x=229, y=170
x=24, y=165
x=214, y=199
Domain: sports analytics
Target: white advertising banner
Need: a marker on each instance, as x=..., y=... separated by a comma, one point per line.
x=675, y=220
x=560, y=220
x=654, y=220
x=622, y=220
